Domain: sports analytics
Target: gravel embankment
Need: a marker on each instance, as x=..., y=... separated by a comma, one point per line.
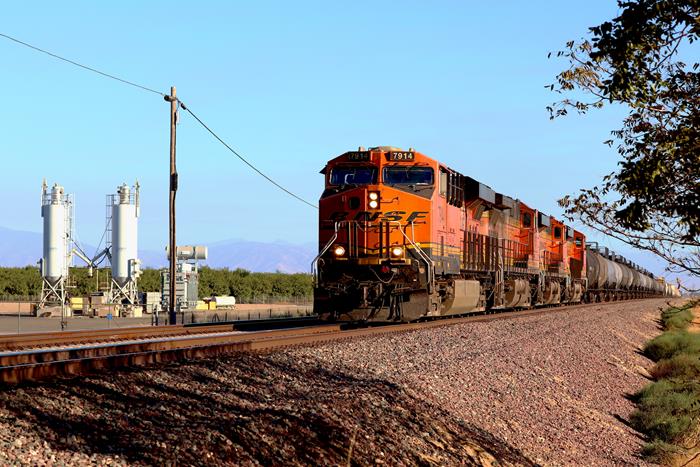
x=554, y=387
x=538, y=390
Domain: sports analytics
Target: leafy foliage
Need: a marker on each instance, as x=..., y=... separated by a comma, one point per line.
x=652, y=201
x=20, y=281
x=246, y=285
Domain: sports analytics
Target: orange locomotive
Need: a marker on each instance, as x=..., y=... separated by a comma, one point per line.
x=403, y=237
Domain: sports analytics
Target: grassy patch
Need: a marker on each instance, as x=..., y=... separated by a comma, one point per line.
x=677, y=318
x=682, y=366
x=668, y=409
x=660, y=452
x=672, y=343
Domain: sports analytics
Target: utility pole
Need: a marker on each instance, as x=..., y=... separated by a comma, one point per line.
x=172, y=316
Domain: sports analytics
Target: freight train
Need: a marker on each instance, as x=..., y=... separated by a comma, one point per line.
x=404, y=237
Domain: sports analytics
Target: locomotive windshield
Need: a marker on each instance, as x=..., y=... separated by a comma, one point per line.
x=363, y=175
x=408, y=175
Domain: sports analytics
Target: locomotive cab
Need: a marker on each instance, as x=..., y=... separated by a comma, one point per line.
x=373, y=211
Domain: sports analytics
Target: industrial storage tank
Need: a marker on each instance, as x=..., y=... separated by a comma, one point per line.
x=125, y=213
x=190, y=252
x=56, y=211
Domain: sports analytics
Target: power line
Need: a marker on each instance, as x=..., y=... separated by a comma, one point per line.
x=145, y=88
x=81, y=65
x=244, y=159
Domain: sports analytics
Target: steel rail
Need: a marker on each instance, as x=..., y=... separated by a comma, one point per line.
x=14, y=341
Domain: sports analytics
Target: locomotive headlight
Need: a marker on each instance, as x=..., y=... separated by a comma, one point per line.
x=338, y=250
x=373, y=199
x=397, y=251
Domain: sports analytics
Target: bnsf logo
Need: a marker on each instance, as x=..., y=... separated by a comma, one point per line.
x=367, y=216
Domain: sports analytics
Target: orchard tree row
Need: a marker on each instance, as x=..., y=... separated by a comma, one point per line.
x=244, y=285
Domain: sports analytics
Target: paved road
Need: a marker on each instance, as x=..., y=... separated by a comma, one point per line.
x=9, y=324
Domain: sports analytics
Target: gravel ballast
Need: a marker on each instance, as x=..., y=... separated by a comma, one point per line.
x=546, y=389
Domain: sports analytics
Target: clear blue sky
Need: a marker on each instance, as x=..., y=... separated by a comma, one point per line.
x=289, y=85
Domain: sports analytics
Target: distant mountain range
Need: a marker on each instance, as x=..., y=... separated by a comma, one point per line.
x=21, y=248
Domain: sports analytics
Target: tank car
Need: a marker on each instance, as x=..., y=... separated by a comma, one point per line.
x=612, y=277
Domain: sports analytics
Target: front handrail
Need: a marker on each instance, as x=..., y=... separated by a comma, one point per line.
x=420, y=252
x=314, y=263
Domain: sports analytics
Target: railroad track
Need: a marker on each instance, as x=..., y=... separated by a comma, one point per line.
x=81, y=357
x=43, y=339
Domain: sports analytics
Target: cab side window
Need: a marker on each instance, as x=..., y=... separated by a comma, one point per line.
x=443, y=182
x=527, y=219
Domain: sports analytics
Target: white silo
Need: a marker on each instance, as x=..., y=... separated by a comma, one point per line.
x=57, y=212
x=124, y=208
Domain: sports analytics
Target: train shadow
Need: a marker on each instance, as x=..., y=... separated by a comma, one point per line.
x=248, y=408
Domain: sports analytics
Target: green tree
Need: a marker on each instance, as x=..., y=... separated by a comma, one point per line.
x=242, y=284
x=652, y=200
x=150, y=280
x=20, y=281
